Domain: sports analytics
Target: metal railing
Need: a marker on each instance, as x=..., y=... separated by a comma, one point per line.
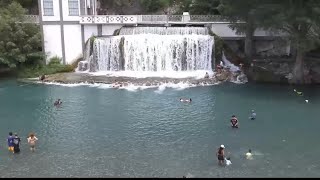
x=141, y=19
x=32, y=19
x=151, y=19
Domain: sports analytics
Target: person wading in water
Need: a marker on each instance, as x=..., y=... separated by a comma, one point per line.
x=220, y=154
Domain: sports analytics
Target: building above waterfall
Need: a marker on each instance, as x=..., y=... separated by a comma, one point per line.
x=66, y=25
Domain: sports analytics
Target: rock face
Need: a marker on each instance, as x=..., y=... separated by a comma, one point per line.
x=280, y=71
x=72, y=78
x=83, y=66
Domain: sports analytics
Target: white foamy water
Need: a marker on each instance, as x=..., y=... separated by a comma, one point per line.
x=152, y=52
x=233, y=68
x=131, y=87
x=144, y=74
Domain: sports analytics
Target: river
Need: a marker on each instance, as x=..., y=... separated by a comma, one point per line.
x=101, y=132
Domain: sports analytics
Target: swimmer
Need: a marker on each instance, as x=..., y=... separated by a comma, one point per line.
x=298, y=92
x=228, y=161
x=57, y=102
x=186, y=100
x=249, y=155
x=307, y=100
x=253, y=115
x=234, y=122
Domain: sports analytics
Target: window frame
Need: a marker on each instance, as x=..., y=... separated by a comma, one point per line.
x=48, y=8
x=73, y=6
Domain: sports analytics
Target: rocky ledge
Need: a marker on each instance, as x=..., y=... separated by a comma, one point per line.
x=76, y=78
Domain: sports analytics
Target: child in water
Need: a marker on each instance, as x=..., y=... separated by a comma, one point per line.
x=253, y=115
x=249, y=155
x=228, y=161
x=32, y=141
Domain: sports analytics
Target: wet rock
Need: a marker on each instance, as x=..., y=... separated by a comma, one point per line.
x=83, y=66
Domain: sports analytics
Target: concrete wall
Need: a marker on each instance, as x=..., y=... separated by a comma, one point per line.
x=56, y=12
x=90, y=30
x=109, y=29
x=223, y=30
x=73, y=43
x=52, y=41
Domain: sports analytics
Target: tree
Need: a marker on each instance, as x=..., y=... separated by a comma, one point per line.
x=30, y=5
x=19, y=42
x=155, y=5
x=300, y=21
x=204, y=7
x=116, y=5
x=246, y=12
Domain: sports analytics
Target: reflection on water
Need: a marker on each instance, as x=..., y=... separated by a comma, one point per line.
x=150, y=133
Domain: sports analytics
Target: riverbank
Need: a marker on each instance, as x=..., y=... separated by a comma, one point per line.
x=279, y=71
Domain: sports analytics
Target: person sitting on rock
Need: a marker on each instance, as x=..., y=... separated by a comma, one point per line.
x=42, y=77
x=219, y=68
x=207, y=75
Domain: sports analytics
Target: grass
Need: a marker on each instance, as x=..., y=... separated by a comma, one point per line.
x=32, y=72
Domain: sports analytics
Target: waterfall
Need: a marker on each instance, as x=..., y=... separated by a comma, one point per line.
x=154, y=49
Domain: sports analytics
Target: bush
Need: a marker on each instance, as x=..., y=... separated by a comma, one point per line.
x=32, y=72
x=54, y=61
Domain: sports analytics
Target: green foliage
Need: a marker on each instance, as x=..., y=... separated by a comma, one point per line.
x=36, y=71
x=54, y=61
x=300, y=19
x=204, y=7
x=19, y=42
x=117, y=5
x=247, y=12
x=155, y=5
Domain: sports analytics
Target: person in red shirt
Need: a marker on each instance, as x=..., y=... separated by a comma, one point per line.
x=234, y=122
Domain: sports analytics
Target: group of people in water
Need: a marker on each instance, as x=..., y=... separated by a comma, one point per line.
x=222, y=159
x=14, y=142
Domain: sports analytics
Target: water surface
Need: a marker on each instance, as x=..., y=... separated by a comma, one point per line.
x=148, y=133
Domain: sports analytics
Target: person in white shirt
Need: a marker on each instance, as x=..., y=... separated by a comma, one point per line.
x=32, y=141
x=228, y=161
x=249, y=155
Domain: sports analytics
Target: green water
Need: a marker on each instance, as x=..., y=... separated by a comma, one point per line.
x=118, y=133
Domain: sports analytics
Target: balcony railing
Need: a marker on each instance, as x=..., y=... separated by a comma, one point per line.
x=150, y=19
x=32, y=19
x=141, y=19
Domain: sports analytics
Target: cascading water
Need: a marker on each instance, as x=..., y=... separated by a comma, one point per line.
x=153, y=49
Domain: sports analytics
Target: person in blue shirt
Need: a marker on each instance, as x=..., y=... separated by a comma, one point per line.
x=10, y=142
